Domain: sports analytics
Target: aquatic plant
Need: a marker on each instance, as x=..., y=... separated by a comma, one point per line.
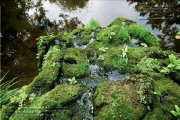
x=72, y=81
x=176, y=113
x=173, y=66
x=5, y=93
x=93, y=24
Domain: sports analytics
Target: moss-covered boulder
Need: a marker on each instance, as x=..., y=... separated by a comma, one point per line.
x=166, y=96
x=42, y=107
x=122, y=99
x=75, y=63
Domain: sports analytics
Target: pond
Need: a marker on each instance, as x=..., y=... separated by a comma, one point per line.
x=24, y=21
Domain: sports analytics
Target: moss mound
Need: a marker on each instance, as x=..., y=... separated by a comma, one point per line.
x=75, y=63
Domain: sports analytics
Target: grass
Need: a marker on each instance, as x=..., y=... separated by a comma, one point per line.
x=5, y=93
x=93, y=24
x=142, y=34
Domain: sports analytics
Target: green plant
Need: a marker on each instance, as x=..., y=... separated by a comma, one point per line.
x=176, y=113
x=142, y=34
x=22, y=95
x=122, y=36
x=173, y=66
x=147, y=65
x=72, y=81
x=93, y=24
x=5, y=93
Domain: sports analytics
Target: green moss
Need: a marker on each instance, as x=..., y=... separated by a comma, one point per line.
x=63, y=115
x=113, y=59
x=76, y=63
x=67, y=37
x=167, y=95
x=118, y=100
x=43, y=46
x=54, y=99
x=122, y=36
x=121, y=22
x=142, y=34
x=147, y=66
x=85, y=37
x=106, y=35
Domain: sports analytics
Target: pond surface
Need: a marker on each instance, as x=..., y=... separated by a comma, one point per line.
x=24, y=21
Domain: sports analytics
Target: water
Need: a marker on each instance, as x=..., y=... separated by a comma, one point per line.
x=23, y=21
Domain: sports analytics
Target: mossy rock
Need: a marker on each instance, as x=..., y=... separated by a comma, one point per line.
x=122, y=22
x=112, y=59
x=75, y=63
x=119, y=100
x=85, y=37
x=43, y=105
x=140, y=33
x=167, y=95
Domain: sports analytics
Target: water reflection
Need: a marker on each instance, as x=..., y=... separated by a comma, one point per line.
x=70, y=5
x=22, y=23
x=162, y=15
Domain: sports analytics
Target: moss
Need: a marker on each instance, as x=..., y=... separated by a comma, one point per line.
x=8, y=110
x=85, y=37
x=121, y=22
x=50, y=70
x=167, y=95
x=54, y=99
x=113, y=59
x=147, y=66
x=43, y=46
x=142, y=34
x=75, y=63
x=66, y=37
x=118, y=100
x=62, y=115
x=106, y=35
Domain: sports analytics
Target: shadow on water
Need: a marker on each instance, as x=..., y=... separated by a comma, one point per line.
x=24, y=21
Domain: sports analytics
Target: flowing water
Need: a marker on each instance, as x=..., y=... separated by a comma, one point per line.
x=22, y=21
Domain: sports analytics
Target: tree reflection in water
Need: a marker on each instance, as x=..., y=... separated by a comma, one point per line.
x=24, y=21
x=163, y=15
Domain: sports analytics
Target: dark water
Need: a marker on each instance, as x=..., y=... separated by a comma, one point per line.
x=22, y=21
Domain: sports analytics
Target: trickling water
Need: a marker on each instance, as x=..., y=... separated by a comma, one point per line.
x=77, y=45
x=86, y=105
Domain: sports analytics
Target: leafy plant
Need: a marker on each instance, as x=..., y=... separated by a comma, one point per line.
x=22, y=95
x=72, y=81
x=173, y=66
x=147, y=65
x=93, y=24
x=176, y=113
x=5, y=94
